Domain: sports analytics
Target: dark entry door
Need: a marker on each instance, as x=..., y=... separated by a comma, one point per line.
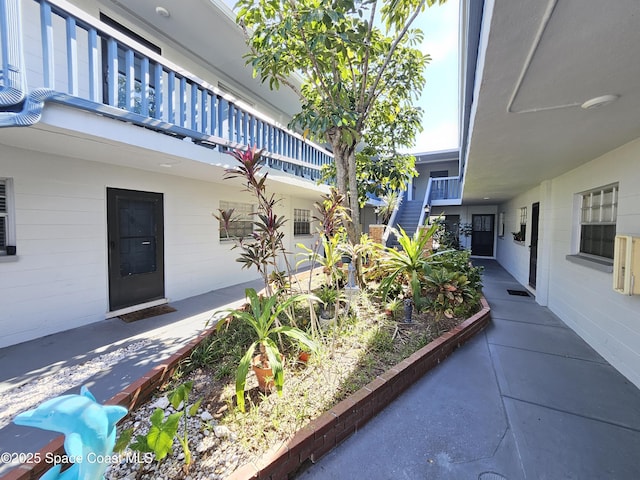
x=533, y=248
x=482, y=234
x=136, y=247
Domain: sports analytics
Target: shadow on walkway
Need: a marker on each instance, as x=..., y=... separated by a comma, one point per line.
x=526, y=398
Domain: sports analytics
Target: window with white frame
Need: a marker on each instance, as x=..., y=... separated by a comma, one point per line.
x=6, y=216
x=301, y=221
x=240, y=220
x=598, y=214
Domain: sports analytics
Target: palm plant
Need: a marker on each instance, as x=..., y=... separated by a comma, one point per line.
x=392, y=200
x=331, y=258
x=407, y=263
x=360, y=253
x=262, y=316
x=329, y=297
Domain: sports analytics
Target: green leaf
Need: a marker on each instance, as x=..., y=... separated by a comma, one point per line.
x=194, y=408
x=141, y=444
x=241, y=375
x=275, y=363
x=161, y=435
x=180, y=395
x=123, y=440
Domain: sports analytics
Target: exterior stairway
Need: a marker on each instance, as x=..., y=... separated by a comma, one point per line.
x=408, y=217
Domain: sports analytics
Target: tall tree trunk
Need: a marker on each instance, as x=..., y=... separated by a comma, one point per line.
x=344, y=157
x=354, y=236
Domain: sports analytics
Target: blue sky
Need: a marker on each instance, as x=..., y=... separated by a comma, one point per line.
x=440, y=96
x=439, y=99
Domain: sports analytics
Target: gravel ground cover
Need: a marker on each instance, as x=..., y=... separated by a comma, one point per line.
x=221, y=439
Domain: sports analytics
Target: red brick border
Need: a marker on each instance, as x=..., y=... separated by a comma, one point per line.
x=322, y=434
x=327, y=431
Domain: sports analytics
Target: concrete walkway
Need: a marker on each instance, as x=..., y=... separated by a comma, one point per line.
x=525, y=399
x=152, y=341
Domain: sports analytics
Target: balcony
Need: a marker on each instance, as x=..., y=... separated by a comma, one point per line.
x=57, y=53
x=445, y=191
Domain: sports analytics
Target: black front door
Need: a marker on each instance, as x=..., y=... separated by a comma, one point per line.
x=136, y=247
x=533, y=248
x=482, y=234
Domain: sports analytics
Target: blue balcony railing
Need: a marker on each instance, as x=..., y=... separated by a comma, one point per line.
x=72, y=58
x=445, y=188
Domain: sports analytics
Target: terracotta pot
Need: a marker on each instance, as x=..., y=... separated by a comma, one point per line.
x=304, y=356
x=264, y=375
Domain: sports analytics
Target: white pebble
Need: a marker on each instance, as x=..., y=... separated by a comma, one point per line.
x=206, y=416
x=221, y=431
x=162, y=402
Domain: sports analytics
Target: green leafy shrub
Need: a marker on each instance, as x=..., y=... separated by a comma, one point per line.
x=406, y=266
x=159, y=439
x=449, y=291
x=262, y=317
x=460, y=261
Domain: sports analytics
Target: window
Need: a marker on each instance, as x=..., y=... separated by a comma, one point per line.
x=301, y=221
x=501, y=224
x=598, y=213
x=6, y=217
x=240, y=224
x=521, y=234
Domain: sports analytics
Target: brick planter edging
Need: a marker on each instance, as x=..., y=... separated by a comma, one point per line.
x=328, y=430
x=320, y=435
x=134, y=395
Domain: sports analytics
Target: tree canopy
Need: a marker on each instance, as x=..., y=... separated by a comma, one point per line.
x=377, y=175
x=361, y=72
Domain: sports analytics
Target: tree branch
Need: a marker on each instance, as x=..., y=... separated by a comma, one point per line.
x=365, y=61
x=392, y=50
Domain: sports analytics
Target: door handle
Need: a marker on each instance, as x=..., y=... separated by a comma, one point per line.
x=146, y=243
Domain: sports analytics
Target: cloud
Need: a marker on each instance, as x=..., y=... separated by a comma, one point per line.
x=441, y=136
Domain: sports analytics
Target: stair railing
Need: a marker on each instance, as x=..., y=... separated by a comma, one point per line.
x=425, y=204
x=392, y=219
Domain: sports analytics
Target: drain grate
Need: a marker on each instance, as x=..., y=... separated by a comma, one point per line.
x=518, y=293
x=491, y=476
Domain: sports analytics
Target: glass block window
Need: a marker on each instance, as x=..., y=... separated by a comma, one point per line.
x=598, y=214
x=301, y=221
x=241, y=224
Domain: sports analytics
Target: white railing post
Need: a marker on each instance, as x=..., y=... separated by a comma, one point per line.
x=13, y=87
x=425, y=203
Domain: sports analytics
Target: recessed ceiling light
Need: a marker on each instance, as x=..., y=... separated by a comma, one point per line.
x=166, y=165
x=163, y=12
x=486, y=198
x=599, y=101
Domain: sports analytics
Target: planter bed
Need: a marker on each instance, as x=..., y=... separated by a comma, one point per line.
x=319, y=436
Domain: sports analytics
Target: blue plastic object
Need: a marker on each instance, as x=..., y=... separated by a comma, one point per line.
x=89, y=430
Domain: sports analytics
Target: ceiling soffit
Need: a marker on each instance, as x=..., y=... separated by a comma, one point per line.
x=542, y=61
